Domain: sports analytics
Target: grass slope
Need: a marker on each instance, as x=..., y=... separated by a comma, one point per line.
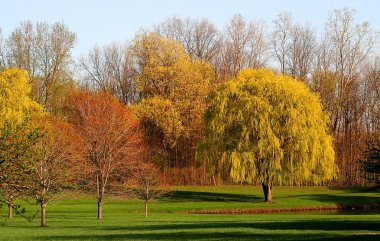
x=73, y=217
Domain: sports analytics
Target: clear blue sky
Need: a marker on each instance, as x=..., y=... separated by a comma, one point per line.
x=103, y=22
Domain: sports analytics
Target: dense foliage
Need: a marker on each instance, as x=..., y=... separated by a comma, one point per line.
x=268, y=128
x=15, y=102
x=173, y=88
x=111, y=139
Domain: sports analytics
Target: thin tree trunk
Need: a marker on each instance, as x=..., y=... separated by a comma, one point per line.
x=99, y=190
x=100, y=209
x=10, y=210
x=213, y=179
x=146, y=209
x=10, y=206
x=43, y=214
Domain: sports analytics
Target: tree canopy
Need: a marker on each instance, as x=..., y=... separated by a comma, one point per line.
x=111, y=137
x=15, y=103
x=54, y=159
x=268, y=128
x=174, y=88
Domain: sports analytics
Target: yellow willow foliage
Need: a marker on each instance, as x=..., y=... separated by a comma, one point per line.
x=268, y=127
x=15, y=103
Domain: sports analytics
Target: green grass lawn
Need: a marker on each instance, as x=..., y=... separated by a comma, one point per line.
x=72, y=216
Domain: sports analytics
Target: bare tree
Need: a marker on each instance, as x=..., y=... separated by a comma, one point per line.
x=147, y=184
x=371, y=97
x=243, y=46
x=110, y=68
x=258, y=47
x=301, y=54
x=94, y=65
x=281, y=36
x=351, y=46
x=174, y=28
x=45, y=52
x=199, y=37
x=203, y=39
x=324, y=56
x=344, y=54
x=238, y=35
x=2, y=51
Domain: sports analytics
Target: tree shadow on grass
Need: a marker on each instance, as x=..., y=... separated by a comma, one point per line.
x=374, y=189
x=216, y=236
x=193, y=196
x=223, y=230
x=301, y=225
x=347, y=202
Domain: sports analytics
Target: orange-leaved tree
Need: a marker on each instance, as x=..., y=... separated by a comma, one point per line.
x=53, y=156
x=111, y=135
x=52, y=159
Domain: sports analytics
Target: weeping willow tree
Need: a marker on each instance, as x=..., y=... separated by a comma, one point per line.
x=268, y=128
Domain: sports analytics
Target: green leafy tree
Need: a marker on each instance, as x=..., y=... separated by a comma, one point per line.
x=15, y=163
x=268, y=128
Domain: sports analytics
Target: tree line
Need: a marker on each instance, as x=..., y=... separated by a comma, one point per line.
x=165, y=76
x=259, y=127
x=96, y=145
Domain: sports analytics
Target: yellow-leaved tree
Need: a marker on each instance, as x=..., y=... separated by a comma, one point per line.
x=268, y=128
x=17, y=134
x=173, y=88
x=15, y=103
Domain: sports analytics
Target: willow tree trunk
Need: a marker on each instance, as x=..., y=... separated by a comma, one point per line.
x=43, y=214
x=100, y=209
x=267, y=189
x=10, y=210
x=146, y=209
